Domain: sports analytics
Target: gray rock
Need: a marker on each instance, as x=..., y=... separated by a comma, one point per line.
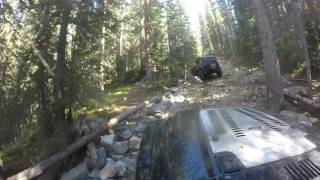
x=92, y=152
x=120, y=147
x=94, y=173
x=161, y=107
x=125, y=135
x=173, y=89
x=116, y=157
x=156, y=99
x=89, y=163
x=302, y=90
x=101, y=160
x=140, y=127
x=107, y=141
x=78, y=172
x=96, y=124
x=109, y=171
x=121, y=168
x=134, y=142
x=131, y=164
x=303, y=117
x=313, y=120
x=109, y=161
x=290, y=114
x=139, y=84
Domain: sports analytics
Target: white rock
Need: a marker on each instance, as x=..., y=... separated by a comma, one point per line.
x=76, y=173
x=134, y=142
x=121, y=168
x=109, y=171
x=94, y=173
x=107, y=141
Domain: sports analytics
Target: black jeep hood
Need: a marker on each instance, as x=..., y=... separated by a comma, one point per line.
x=234, y=143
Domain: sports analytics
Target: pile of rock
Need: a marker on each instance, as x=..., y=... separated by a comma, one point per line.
x=114, y=156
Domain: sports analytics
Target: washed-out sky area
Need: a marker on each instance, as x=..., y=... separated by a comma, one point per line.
x=194, y=8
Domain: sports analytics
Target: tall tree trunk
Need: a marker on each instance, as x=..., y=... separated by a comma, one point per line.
x=145, y=39
x=60, y=83
x=229, y=22
x=103, y=47
x=300, y=34
x=270, y=56
x=121, y=60
x=314, y=14
x=42, y=44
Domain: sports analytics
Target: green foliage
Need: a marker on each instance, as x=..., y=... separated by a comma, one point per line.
x=182, y=44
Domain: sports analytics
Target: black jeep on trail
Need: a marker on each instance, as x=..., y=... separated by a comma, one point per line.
x=206, y=66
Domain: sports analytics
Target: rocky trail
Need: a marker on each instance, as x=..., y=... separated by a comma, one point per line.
x=114, y=156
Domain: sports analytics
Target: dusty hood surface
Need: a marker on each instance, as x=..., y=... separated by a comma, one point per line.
x=254, y=137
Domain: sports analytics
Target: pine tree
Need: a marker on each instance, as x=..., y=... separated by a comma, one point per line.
x=182, y=44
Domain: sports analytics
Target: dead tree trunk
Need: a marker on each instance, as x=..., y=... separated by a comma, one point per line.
x=300, y=36
x=270, y=56
x=38, y=169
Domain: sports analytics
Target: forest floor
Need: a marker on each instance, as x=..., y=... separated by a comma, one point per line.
x=238, y=87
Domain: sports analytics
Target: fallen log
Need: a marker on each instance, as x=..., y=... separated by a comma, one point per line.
x=38, y=169
x=301, y=99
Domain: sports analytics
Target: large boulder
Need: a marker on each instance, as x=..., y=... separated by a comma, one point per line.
x=76, y=173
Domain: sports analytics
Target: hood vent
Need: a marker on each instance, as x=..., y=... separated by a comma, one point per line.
x=254, y=138
x=237, y=132
x=265, y=122
x=303, y=170
x=272, y=119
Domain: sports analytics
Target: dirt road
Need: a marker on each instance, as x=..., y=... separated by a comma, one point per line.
x=238, y=87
